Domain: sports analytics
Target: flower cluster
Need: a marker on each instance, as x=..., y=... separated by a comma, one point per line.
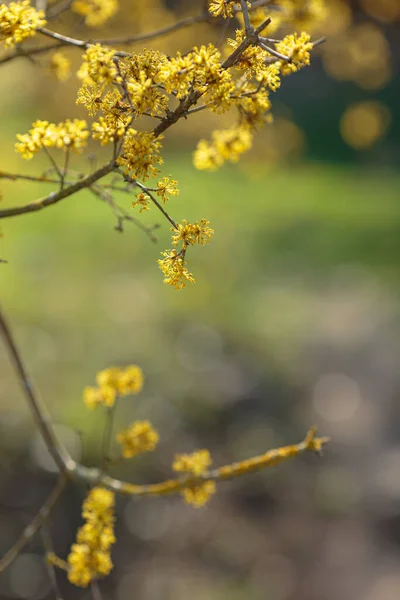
x=69, y=134
x=173, y=263
x=60, y=65
x=19, y=20
x=119, y=88
x=113, y=382
x=96, y=12
x=90, y=555
x=139, y=437
x=223, y=8
x=98, y=66
x=196, y=492
x=226, y=145
x=297, y=48
x=140, y=154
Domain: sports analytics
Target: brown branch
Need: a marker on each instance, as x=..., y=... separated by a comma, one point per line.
x=56, y=197
x=43, y=421
x=28, y=53
x=33, y=527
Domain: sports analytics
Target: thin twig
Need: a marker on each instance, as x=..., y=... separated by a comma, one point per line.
x=54, y=164
x=107, y=436
x=65, y=169
x=146, y=190
x=121, y=215
x=42, y=419
x=274, y=52
x=34, y=526
x=48, y=546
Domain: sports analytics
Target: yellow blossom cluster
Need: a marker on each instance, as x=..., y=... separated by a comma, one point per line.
x=226, y=145
x=166, y=187
x=19, y=20
x=196, y=492
x=120, y=87
x=96, y=12
x=69, y=134
x=98, y=66
x=297, y=48
x=298, y=14
x=60, y=65
x=113, y=382
x=140, y=154
x=303, y=14
x=90, y=555
x=139, y=437
x=223, y=8
x=173, y=263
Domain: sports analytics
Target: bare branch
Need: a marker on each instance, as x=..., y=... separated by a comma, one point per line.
x=43, y=421
x=56, y=197
x=34, y=526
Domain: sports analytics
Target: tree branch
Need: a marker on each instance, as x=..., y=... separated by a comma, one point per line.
x=56, y=197
x=34, y=526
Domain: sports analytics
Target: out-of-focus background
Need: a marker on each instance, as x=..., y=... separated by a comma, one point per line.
x=294, y=320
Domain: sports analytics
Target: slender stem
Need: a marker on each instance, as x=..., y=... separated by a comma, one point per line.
x=120, y=214
x=34, y=526
x=153, y=199
x=95, y=589
x=275, y=52
x=53, y=162
x=65, y=170
x=50, y=566
x=107, y=436
x=42, y=419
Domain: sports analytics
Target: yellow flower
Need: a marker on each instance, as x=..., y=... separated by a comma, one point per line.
x=110, y=129
x=303, y=14
x=67, y=134
x=96, y=12
x=297, y=48
x=19, y=20
x=196, y=463
x=222, y=8
x=98, y=66
x=190, y=233
x=130, y=380
x=196, y=493
x=90, y=555
x=226, y=144
x=167, y=187
x=140, y=154
x=142, y=200
x=104, y=395
x=60, y=65
x=139, y=437
x=199, y=494
x=108, y=377
x=173, y=266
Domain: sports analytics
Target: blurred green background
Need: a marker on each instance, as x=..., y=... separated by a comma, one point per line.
x=294, y=319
